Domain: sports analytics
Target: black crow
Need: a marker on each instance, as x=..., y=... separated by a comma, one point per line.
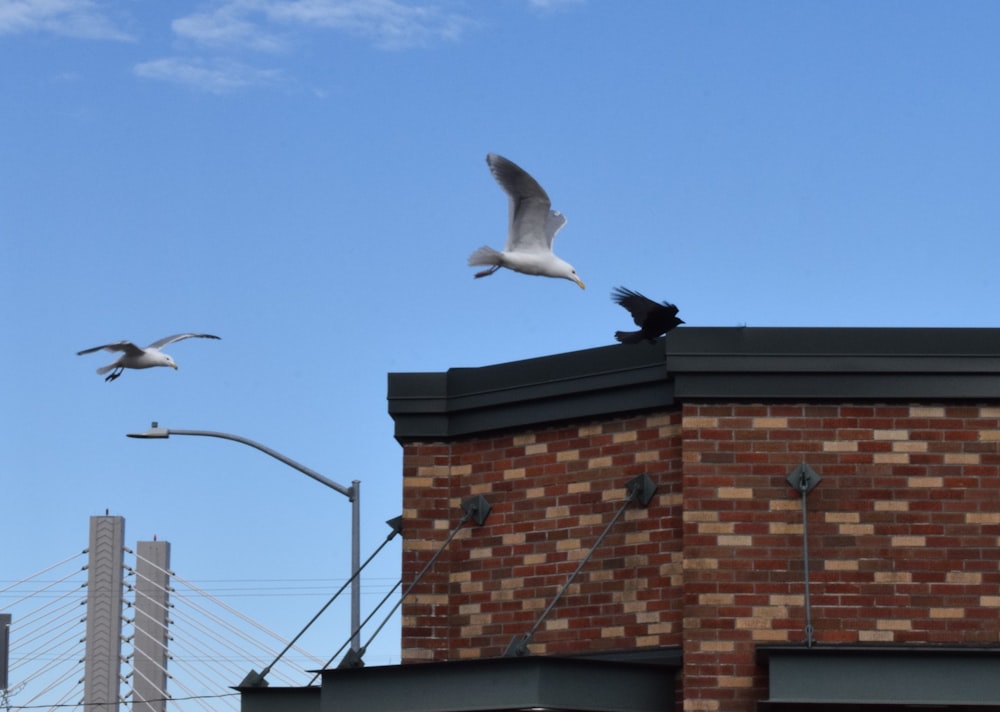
x=652, y=319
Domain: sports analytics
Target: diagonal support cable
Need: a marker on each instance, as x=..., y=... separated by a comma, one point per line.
x=255, y=679
x=641, y=490
x=476, y=509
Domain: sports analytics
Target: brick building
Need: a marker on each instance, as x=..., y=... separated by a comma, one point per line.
x=824, y=531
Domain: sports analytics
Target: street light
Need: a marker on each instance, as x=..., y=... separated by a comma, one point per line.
x=353, y=493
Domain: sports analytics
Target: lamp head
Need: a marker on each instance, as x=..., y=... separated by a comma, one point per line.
x=155, y=431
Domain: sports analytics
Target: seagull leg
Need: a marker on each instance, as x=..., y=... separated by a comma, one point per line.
x=486, y=272
x=114, y=374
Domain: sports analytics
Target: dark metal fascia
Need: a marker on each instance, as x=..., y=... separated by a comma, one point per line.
x=547, y=389
x=700, y=363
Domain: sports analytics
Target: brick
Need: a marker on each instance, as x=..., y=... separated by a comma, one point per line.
x=926, y=411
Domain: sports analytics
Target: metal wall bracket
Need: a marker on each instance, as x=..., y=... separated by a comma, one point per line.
x=803, y=479
x=641, y=489
x=477, y=509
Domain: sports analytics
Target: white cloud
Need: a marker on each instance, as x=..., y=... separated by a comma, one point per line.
x=258, y=24
x=216, y=77
x=230, y=24
x=83, y=19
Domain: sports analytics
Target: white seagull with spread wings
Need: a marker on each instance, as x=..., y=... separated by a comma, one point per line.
x=531, y=227
x=136, y=357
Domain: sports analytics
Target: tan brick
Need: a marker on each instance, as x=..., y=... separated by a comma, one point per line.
x=982, y=518
x=787, y=599
x=770, y=423
x=597, y=462
x=716, y=646
x=989, y=434
x=856, y=529
x=964, y=577
x=840, y=446
x=934, y=482
x=837, y=565
x=567, y=455
x=625, y=436
x=893, y=577
x=524, y=439
x=989, y=601
x=909, y=446
x=947, y=613
x=736, y=681
x=908, y=541
x=785, y=505
x=516, y=473
x=842, y=517
x=891, y=458
x=735, y=493
x=536, y=449
x=891, y=435
x=735, y=540
x=691, y=422
x=922, y=411
x=961, y=458
x=891, y=506
x=876, y=636
x=784, y=528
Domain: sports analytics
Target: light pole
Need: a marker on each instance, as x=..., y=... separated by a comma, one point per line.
x=353, y=493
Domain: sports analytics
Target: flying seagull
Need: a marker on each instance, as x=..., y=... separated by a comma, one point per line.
x=135, y=357
x=531, y=227
x=652, y=319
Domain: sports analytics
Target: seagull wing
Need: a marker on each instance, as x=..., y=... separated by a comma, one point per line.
x=159, y=344
x=127, y=346
x=529, y=221
x=553, y=224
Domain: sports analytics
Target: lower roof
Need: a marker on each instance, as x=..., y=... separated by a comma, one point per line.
x=701, y=364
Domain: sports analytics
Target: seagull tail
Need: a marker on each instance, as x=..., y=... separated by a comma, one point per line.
x=104, y=369
x=629, y=337
x=485, y=255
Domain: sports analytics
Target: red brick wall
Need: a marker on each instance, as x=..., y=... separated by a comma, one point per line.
x=553, y=492
x=904, y=536
x=903, y=533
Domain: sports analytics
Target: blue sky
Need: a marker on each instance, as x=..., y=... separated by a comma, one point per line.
x=306, y=178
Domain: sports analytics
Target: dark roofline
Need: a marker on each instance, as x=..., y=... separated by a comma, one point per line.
x=701, y=364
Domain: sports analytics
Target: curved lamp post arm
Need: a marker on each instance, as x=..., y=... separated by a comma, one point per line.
x=158, y=432
x=353, y=493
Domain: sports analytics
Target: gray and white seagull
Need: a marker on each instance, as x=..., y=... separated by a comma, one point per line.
x=136, y=357
x=531, y=227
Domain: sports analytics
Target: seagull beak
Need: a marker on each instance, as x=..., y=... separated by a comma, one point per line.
x=580, y=283
x=173, y=366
